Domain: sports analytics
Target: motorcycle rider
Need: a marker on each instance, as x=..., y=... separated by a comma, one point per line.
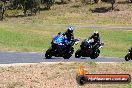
x=70, y=37
x=95, y=36
x=69, y=34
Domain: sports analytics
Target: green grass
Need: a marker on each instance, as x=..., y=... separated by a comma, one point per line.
x=29, y=38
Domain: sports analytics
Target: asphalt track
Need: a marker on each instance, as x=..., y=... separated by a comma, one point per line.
x=19, y=57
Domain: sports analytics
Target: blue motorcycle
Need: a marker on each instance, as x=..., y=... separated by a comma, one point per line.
x=59, y=47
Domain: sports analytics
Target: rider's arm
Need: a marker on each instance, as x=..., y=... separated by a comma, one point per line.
x=72, y=37
x=91, y=37
x=64, y=33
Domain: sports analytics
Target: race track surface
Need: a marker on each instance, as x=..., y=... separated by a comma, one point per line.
x=17, y=57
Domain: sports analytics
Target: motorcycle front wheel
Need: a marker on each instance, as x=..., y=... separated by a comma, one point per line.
x=95, y=54
x=78, y=53
x=127, y=57
x=48, y=53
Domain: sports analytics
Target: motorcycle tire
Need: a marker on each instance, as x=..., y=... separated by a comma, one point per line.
x=48, y=53
x=78, y=53
x=92, y=57
x=95, y=55
x=127, y=57
x=67, y=56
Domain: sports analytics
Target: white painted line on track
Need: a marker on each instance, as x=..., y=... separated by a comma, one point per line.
x=26, y=64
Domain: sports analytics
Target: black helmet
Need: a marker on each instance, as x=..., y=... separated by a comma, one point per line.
x=96, y=34
x=70, y=30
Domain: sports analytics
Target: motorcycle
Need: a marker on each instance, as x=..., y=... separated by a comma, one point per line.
x=129, y=55
x=86, y=49
x=59, y=47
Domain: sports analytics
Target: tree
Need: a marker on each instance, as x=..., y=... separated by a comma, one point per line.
x=96, y=1
x=2, y=11
x=26, y=5
x=112, y=3
x=48, y=3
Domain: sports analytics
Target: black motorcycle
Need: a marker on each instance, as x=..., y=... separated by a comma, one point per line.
x=87, y=49
x=129, y=55
x=59, y=46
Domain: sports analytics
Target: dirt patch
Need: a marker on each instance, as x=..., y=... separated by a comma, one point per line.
x=57, y=75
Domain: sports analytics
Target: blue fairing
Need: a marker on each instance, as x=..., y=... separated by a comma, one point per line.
x=55, y=38
x=60, y=39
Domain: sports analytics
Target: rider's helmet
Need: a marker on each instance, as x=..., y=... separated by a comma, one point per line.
x=70, y=30
x=96, y=34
